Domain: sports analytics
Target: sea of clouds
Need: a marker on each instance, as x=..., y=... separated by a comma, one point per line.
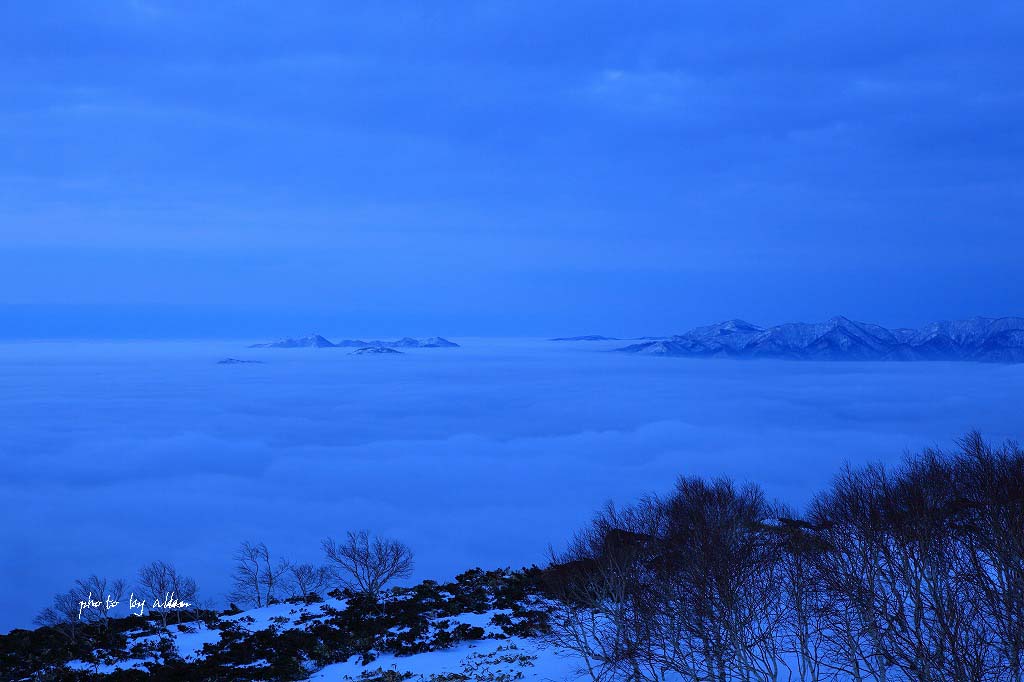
x=116, y=454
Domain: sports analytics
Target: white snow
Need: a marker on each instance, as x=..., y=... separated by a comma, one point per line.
x=497, y=655
x=533, y=659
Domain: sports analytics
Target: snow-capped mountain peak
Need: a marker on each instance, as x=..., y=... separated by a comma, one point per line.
x=840, y=338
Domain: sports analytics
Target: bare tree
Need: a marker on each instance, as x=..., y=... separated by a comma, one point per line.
x=847, y=521
x=307, y=579
x=690, y=585
x=366, y=565
x=155, y=584
x=63, y=615
x=108, y=593
x=807, y=603
x=162, y=584
x=187, y=591
x=934, y=629
x=89, y=601
x=725, y=578
x=913, y=573
x=607, y=612
x=256, y=576
x=991, y=483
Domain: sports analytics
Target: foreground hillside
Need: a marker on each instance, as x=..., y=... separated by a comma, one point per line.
x=913, y=573
x=483, y=626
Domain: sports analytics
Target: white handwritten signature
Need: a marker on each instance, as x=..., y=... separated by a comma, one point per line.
x=169, y=602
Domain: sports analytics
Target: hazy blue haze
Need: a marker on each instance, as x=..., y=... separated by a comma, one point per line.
x=115, y=454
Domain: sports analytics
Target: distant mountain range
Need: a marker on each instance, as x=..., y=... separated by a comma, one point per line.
x=980, y=338
x=317, y=341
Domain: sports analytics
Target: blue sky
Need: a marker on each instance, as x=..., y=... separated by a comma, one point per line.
x=504, y=168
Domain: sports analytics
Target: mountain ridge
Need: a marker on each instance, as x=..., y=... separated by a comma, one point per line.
x=981, y=339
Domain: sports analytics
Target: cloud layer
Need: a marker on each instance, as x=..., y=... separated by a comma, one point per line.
x=118, y=454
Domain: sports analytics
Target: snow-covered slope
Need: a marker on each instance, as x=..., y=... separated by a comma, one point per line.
x=495, y=657
x=407, y=342
x=311, y=341
x=484, y=626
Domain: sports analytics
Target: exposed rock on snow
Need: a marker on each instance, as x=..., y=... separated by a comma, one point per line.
x=483, y=626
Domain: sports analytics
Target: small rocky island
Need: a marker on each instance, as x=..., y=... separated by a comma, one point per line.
x=318, y=341
x=587, y=337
